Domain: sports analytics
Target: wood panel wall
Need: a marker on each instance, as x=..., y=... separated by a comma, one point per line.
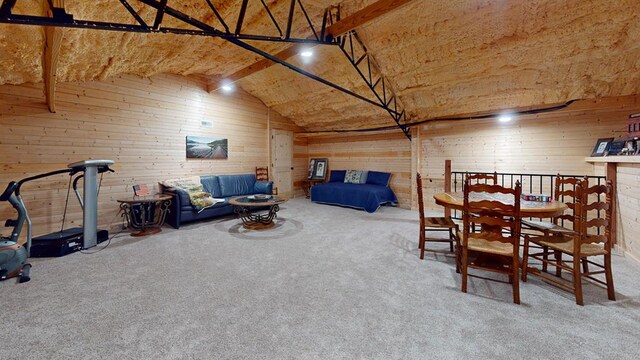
x=545, y=143
x=139, y=123
x=390, y=152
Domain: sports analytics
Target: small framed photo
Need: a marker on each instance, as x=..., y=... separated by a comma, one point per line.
x=602, y=145
x=320, y=169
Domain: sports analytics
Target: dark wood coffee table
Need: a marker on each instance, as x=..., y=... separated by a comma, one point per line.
x=257, y=214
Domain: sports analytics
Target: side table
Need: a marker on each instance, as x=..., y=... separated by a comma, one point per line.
x=308, y=184
x=145, y=214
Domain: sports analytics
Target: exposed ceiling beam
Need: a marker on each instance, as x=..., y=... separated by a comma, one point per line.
x=53, y=39
x=363, y=16
x=349, y=23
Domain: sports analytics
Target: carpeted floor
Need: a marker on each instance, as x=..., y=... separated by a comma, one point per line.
x=325, y=283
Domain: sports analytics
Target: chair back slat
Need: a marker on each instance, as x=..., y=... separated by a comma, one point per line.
x=481, y=207
x=598, y=222
x=492, y=221
x=482, y=178
x=491, y=205
x=595, y=217
x=598, y=205
x=565, y=190
x=595, y=239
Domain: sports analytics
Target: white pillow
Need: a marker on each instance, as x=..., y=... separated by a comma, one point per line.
x=353, y=177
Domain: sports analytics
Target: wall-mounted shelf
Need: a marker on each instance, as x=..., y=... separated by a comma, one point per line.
x=614, y=159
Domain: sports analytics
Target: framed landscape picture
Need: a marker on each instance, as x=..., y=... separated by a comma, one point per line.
x=200, y=147
x=602, y=145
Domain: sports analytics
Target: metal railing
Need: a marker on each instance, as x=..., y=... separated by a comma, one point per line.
x=543, y=184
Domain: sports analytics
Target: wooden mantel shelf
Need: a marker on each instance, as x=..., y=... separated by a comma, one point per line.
x=614, y=159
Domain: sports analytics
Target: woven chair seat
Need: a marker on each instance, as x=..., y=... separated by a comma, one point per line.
x=546, y=226
x=481, y=244
x=439, y=222
x=565, y=244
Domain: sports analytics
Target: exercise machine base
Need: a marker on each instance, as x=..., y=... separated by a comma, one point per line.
x=62, y=243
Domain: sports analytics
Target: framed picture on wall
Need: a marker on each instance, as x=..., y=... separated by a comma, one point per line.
x=320, y=169
x=602, y=145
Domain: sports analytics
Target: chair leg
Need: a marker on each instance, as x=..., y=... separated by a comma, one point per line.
x=464, y=269
x=545, y=257
x=458, y=255
x=421, y=245
x=558, y=255
x=585, y=266
x=451, y=237
x=525, y=258
x=516, y=284
x=577, y=280
x=609, y=276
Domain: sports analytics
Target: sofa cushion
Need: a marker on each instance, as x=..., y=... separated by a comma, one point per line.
x=236, y=185
x=263, y=187
x=337, y=175
x=378, y=178
x=211, y=185
x=353, y=177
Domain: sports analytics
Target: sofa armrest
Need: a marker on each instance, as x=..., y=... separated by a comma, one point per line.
x=180, y=197
x=263, y=187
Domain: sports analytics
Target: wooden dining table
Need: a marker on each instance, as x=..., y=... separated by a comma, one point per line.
x=534, y=209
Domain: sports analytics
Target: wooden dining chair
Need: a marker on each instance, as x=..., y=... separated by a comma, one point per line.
x=499, y=235
x=593, y=238
x=482, y=178
x=564, y=191
x=262, y=174
x=433, y=224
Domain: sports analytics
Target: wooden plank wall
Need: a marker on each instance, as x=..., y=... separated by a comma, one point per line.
x=389, y=151
x=629, y=208
x=543, y=143
x=139, y=123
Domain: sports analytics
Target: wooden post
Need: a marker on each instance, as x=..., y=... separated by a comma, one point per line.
x=612, y=174
x=447, y=183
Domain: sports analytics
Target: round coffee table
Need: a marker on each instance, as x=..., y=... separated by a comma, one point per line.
x=248, y=208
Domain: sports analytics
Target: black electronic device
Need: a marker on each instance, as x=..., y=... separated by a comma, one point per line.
x=616, y=147
x=62, y=243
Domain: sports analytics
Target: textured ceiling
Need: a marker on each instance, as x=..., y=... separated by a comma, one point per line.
x=441, y=57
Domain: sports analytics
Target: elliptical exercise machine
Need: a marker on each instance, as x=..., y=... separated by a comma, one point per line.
x=13, y=256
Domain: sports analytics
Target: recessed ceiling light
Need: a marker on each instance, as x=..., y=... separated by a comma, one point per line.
x=306, y=53
x=227, y=87
x=505, y=118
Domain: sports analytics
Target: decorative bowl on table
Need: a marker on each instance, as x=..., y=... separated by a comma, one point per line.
x=259, y=197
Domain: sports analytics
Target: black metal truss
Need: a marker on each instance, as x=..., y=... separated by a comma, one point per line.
x=385, y=100
x=61, y=18
x=359, y=57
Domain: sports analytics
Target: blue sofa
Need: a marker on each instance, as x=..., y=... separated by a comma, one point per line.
x=219, y=186
x=368, y=196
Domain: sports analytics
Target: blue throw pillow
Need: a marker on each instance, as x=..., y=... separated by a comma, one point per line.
x=337, y=175
x=378, y=178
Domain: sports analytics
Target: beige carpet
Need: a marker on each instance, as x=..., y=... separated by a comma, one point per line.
x=325, y=283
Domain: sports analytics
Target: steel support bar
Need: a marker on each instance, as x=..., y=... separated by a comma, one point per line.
x=390, y=103
x=61, y=19
x=302, y=72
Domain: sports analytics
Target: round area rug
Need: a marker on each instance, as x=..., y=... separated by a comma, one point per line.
x=282, y=228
